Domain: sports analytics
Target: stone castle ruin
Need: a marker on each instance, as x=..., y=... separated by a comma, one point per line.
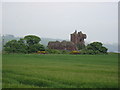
x=76, y=39
x=64, y=45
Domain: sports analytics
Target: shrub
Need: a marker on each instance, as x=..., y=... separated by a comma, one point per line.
x=54, y=51
x=41, y=52
x=90, y=52
x=74, y=52
x=35, y=48
x=83, y=51
x=65, y=52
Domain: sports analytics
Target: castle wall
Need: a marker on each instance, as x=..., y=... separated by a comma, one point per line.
x=64, y=45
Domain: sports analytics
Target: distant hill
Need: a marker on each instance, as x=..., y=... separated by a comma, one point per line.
x=8, y=37
x=111, y=47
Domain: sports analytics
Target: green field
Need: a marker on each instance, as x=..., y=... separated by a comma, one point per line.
x=60, y=71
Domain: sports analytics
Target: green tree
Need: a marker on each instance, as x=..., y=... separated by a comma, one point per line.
x=22, y=46
x=97, y=47
x=15, y=46
x=28, y=44
x=33, y=44
x=11, y=46
x=35, y=48
x=32, y=39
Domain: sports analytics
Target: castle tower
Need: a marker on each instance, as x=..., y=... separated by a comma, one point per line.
x=74, y=37
x=78, y=38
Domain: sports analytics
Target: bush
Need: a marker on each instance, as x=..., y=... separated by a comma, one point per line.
x=53, y=51
x=90, y=52
x=65, y=52
x=74, y=52
x=36, y=47
x=84, y=51
x=41, y=52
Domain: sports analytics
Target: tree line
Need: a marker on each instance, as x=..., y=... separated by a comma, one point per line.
x=28, y=44
x=31, y=44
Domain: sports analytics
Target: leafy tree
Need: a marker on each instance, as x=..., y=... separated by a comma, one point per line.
x=11, y=46
x=35, y=48
x=97, y=47
x=22, y=46
x=32, y=43
x=103, y=49
x=15, y=46
x=32, y=39
x=21, y=41
x=28, y=44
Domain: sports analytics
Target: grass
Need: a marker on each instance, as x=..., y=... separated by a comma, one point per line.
x=60, y=71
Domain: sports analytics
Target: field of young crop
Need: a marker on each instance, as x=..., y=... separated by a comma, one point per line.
x=60, y=71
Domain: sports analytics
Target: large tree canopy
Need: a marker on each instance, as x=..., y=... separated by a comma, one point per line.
x=15, y=46
x=28, y=44
x=96, y=47
x=32, y=39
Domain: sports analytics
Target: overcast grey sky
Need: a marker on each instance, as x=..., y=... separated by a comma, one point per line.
x=58, y=20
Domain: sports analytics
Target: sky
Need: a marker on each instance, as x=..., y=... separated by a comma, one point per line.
x=98, y=20
x=59, y=0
